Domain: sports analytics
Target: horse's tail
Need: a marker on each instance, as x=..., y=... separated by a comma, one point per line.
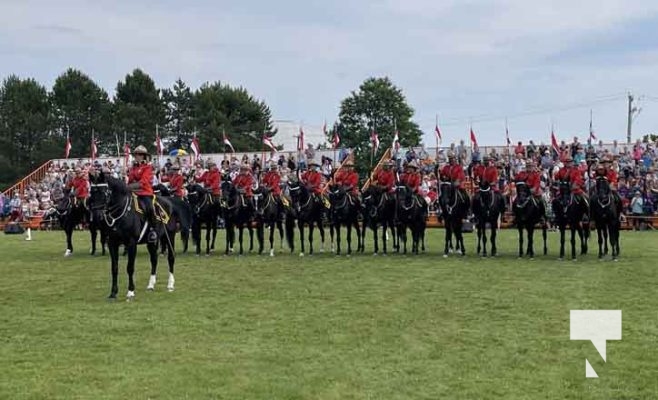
x=182, y=214
x=290, y=232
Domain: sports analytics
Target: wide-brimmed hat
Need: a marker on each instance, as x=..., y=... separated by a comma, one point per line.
x=313, y=162
x=412, y=164
x=141, y=150
x=245, y=167
x=451, y=155
x=348, y=164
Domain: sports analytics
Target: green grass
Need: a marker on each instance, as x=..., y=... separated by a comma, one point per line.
x=321, y=327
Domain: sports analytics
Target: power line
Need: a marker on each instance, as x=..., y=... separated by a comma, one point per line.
x=536, y=111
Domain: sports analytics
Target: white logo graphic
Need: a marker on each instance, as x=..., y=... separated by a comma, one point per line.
x=596, y=326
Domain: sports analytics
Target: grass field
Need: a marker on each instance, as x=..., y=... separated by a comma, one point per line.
x=322, y=327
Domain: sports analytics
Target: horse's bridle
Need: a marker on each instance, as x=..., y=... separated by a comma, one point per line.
x=108, y=213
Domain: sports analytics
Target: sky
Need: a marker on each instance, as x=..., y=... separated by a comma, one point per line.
x=480, y=63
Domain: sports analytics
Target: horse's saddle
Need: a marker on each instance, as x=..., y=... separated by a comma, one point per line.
x=160, y=213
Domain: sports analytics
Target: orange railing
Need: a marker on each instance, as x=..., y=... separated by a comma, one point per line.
x=35, y=176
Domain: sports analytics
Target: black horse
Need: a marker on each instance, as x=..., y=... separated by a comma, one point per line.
x=96, y=204
x=411, y=214
x=70, y=212
x=238, y=212
x=488, y=205
x=379, y=209
x=268, y=212
x=528, y=212
x=204, y=211
x=571, y=210
x=127, y=226
x=605, y=213
x=454, y=205
x=306, y=209
x=344, y=211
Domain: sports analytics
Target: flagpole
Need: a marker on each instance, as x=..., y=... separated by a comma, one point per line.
x=116, y=137
x=93, y=145
x=507, y=141
x=125, y=157
x=333, y=142
x=436, y=137
x=68, y=132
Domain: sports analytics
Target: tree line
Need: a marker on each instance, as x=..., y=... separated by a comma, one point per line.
x=35, y=121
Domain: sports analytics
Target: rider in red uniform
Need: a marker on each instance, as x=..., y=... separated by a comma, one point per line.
x=348, y=179
x=176, y=182
x=477, y=172
x=455, y=174
x=212, y=180
x=245, y=181
x=140, y=180
x=611, y=176
x=272, y=180
x=312, y=179
x=490, y=174
x=385, y=178
x=411, y=177
x=80, y=186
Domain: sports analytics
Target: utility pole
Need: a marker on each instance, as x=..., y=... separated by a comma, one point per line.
x=630, y=118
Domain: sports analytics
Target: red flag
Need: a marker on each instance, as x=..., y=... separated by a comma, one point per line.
x=396, y=141
x=67, y=148
x=374, y=138
x=437, y=133
x=267, y=141
x=126, y=152
x=94, y=148
x=194, y=146
x=227, y=142
x=159, y=145
x=554, y=143
x=474, y=141
x=300, y=140
x=336, y=139
x=507, y=136
x=592, y=136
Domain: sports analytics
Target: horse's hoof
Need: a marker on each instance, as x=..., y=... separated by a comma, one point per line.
x=112, y=296
x=272, y=253
x=445, y=256
x=560, y=259
x=301, y=254
x=130, y=296
x=67, y=253
x=615, y=259
x=170, y=289
x=532, y=258
x=574, y=259
x=374, y=254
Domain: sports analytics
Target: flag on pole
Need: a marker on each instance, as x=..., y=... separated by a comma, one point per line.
x=94, y=147
x=474, y=141
x=267, y=141
x=336, y=139
x=374, y=138
x=396, y=141
x=509, y=142
x=437, y=132
x=300, y=140
x=554, y=144
x=158, y=144
x=324, y=128
x=227, y=142
x=67, y=147
x=126, y=151
x=196, y=149
x=592, y=136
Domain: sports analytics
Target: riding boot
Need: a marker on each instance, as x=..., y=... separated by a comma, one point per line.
x=149, y=211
